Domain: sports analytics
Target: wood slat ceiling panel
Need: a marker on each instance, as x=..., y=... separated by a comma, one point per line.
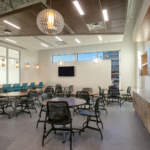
x=77, y=24
x=64, y=31
x=27, y=17
x=93, y=17
x=107, y=4
x=115, y=23
x=32, y=30
x=143, y=33
x=117, y=13
x=89, y=6
x=36, y=10
x=66, y=8
x=15, y=21
x=18, y=32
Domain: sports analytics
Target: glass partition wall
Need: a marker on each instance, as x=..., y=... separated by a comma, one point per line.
x=9, y=66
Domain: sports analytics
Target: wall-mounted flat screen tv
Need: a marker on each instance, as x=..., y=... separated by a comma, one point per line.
x=66, y=71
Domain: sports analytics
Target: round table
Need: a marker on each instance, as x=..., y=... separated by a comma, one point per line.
x=90, y=93
x=37, y=90
x=107, y=89
x=72, y=102
x=15, y=95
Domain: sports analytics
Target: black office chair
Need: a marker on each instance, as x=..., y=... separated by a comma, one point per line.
x=114, y=95
x=94, y=114
x=50, y=90
x=50, y=86
x=3, y=103
x=127, y=97
x=58, y=113
x=71, y=88
x=27, y=104
x=83, y=95
x=8, y=100
x=43, y=109
x=87, y=89
x=58, y=91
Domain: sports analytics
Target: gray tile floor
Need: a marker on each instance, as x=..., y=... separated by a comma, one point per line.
x=123, y=130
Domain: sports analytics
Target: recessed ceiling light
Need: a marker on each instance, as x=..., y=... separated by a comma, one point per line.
x=58, y=38
x=44, y=44
x=105, y=15
x=10, y=40
x=77, y=40
x=100, y=38
x=11, y=24
x=78, y=7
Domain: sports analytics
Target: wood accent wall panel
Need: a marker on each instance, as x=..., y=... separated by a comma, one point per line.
x=142, y=107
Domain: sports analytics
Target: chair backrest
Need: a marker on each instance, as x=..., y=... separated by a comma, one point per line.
x=7, y=87
x=40, y=85
x=24, y=86
x=50, y=86
x=114, y=91
x=83, y=95
x=24, y=90
x=99, y=90
x=58, y=110
x=129, y=90
x=58, y=89
x=102, y=93
x=32, y=84
x=30, y=95
x=46, y=96
x=16, y=87
x=3, y=91
x=68, y=93
x=49, y=90
x=87, y=89
x=97, y=108
x=71, y=88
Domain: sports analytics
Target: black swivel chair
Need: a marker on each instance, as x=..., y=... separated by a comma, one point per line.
x=50, y=90
x=58, y=113
x=94, y=114
x=127, y=97
x=83, y=95
x=114, y=95
x=27, y=104
x=43, y=109
x=58, y=91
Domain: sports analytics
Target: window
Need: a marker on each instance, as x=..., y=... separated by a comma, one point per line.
x=64, y=58
x=86, y=56
x=13, y=76
x=10, y=57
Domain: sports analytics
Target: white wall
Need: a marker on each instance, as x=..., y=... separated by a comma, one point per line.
x=128, y=60
x=26, y=75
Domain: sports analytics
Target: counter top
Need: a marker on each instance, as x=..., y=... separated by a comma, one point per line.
x=145, y=94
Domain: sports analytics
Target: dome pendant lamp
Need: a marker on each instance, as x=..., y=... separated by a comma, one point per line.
x=50, y=21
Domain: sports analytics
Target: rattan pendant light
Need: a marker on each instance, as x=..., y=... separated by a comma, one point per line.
x=50, y=21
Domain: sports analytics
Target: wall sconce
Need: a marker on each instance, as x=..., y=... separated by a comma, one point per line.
x=3, y=62
x=60, y=63
x=17, y=64
x=28, y=66
x=37, y=66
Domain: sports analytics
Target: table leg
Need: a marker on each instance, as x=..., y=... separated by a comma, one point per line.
x=64, y=136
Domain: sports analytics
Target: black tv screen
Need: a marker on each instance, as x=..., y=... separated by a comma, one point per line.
x=66, y=71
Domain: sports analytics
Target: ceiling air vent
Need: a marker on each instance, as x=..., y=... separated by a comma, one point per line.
x=61, y=43
x=96, y=26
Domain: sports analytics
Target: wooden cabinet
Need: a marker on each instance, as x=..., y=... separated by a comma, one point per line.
x=145, y=63
x=142, y=107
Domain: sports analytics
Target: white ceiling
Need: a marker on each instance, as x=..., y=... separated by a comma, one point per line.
x=34, y=42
